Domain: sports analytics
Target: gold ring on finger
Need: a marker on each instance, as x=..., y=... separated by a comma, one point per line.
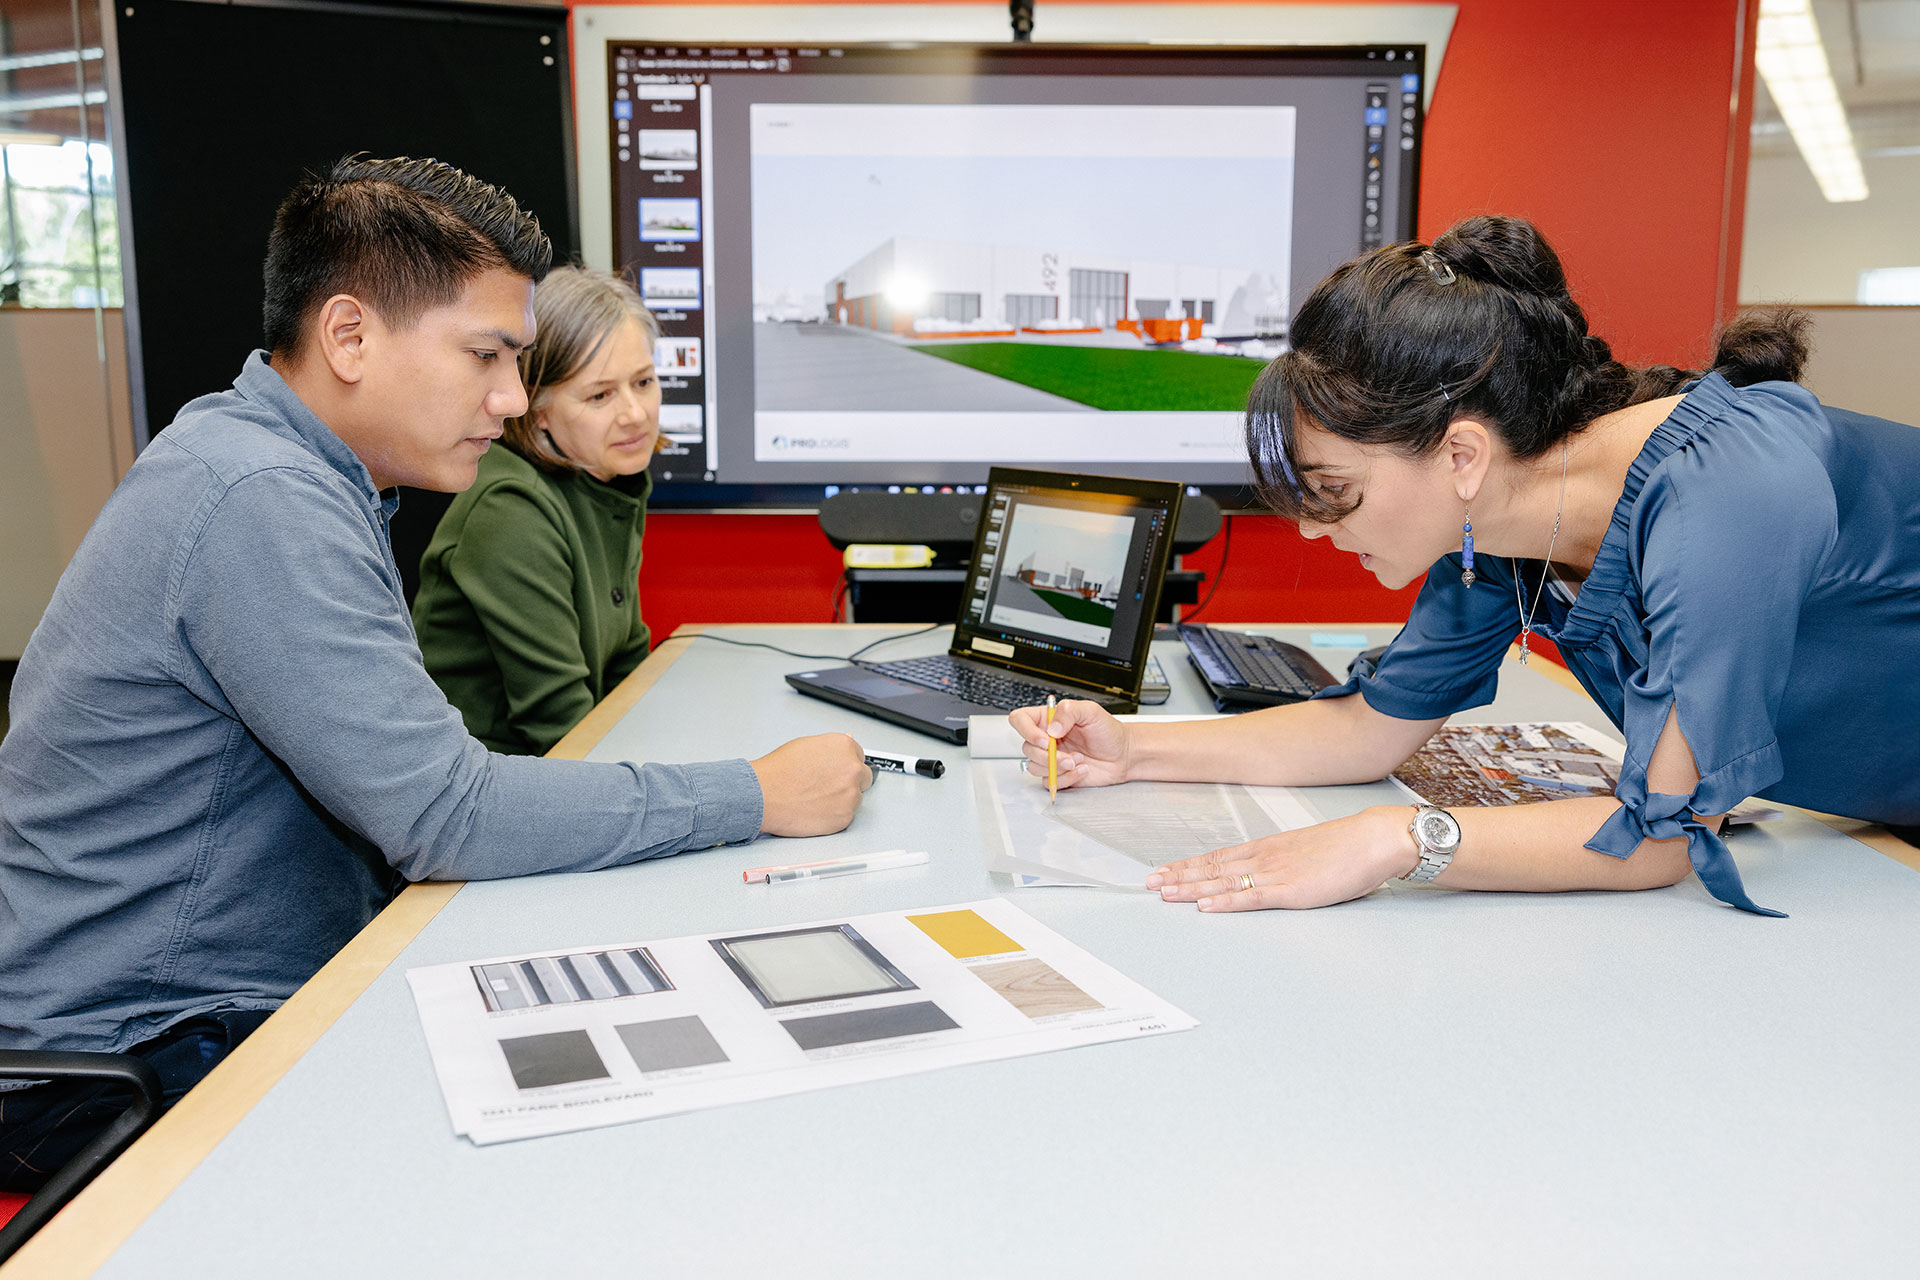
x=1246, y=879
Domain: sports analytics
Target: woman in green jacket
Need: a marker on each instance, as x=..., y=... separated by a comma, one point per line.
x=529, y=610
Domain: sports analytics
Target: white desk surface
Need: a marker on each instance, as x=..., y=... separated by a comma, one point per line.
x=1422, y=1082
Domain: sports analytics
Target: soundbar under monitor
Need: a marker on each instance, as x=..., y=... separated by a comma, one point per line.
x=896, y=266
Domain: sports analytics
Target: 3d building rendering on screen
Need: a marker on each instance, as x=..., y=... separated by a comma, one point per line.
x=932, y=287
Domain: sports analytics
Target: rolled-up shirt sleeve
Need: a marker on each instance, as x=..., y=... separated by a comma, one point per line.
x=314, y=657
x=1724, y=565
x=1447, y=658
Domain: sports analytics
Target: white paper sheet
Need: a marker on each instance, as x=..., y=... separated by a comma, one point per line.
x=1114, y=836
x=538, y=1044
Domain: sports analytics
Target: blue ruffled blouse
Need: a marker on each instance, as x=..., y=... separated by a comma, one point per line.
x=1761, y=575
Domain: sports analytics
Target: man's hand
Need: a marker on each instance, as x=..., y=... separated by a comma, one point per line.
x=811, y=786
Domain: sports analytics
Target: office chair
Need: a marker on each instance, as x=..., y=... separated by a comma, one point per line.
x=143, y=1108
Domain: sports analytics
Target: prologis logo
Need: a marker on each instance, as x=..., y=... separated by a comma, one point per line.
x=811, y=442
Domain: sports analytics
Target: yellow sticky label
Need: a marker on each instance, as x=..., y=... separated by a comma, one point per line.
x=963, y=934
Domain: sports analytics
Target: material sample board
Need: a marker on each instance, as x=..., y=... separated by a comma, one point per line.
x=549, y=1043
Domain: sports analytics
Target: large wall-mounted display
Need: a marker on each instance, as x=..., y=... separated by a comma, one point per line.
x=896, y=265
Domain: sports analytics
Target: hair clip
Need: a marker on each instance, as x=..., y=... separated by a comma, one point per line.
x=1439, y=270
x=1443, y=393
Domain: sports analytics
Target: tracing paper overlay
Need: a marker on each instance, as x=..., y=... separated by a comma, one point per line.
x=1114, y=837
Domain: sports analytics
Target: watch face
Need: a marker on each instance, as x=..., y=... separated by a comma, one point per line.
x=1437, y=830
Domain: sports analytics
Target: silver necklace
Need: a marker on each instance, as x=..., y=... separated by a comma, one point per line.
x=1519, y=601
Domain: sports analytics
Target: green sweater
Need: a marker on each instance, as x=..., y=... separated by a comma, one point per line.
x=529, y=604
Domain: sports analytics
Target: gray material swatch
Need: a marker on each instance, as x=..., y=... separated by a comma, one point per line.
x=815, y=964
x=558, y=1057
x=859, y=1025
x=670, y=1043
x=603, y=975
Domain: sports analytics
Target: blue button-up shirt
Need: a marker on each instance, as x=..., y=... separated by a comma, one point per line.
x=1761, y=578
x=225, y=753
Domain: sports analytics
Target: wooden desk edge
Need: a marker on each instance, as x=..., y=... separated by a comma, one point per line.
x=80, y=1239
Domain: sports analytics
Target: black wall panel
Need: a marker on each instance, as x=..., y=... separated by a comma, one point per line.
x=224, y=106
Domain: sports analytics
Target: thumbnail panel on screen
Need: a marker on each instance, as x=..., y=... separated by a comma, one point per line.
x=670, y=288
x=675, y=355
x=1059, y=573
x=669, y=148
x=916, y=262
x=675, y=219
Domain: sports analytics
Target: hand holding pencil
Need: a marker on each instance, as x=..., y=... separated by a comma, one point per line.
x=1072, y=744
x=1053, y=754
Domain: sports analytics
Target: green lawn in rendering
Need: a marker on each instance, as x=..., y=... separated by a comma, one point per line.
x=1077, y=608
x=1113, y=377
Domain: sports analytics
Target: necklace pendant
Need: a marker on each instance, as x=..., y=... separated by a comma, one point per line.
x=1523, y=648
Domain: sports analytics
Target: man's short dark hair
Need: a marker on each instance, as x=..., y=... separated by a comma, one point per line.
x=403, y=235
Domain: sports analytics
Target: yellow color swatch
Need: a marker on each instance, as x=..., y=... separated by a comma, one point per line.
x=963, y=934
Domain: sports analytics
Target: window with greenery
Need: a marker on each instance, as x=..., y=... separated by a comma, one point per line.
x=55, y=222
x=59, y=239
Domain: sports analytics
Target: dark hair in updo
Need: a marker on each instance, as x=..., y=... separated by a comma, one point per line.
x=1395, y=344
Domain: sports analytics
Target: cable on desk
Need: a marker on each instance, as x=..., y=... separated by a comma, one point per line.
x=1226, y=549
x=853, y=657
x=904, y=635
x=760, y=644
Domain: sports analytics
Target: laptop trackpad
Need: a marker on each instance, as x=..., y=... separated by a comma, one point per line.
x=878, y=688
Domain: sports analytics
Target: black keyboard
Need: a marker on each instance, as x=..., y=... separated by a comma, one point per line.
x=976, y=684
x=1253, y=669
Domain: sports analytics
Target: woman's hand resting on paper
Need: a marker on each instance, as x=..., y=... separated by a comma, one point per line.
x=1314, y=866
x=1094, y=747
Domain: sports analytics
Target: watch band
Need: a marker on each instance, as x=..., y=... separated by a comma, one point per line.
x=1436, y=834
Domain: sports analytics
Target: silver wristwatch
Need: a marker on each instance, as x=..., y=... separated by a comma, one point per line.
x=1436, y=833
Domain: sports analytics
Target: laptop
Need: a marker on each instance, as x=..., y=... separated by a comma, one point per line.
x=1060, y=598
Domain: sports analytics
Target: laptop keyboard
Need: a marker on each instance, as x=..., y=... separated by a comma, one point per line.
x=1235, y=662
x=975, y=684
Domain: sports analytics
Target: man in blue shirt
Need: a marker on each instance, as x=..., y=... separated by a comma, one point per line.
x=225, y=753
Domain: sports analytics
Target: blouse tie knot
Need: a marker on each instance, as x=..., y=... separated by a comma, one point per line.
x=1659, y=816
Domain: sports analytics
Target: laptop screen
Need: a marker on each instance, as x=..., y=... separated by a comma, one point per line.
x=1066, y=575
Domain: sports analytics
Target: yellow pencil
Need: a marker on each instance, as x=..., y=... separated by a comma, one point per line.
x=1053, y=756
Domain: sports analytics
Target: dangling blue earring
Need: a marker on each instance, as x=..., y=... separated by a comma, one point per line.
x=1466, y=550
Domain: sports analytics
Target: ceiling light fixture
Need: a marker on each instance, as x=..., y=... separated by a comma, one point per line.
x=1793, y=62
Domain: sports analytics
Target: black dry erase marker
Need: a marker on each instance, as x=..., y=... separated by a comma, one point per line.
x=894, y=763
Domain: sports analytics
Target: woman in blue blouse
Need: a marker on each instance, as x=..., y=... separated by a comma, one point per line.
x=1731, y=569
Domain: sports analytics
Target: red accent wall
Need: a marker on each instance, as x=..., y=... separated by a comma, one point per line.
x=1617, y=125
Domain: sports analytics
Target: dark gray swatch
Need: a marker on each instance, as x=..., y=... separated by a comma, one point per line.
x=670, y=1043
x=559, y=1057
x=853, y=1027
